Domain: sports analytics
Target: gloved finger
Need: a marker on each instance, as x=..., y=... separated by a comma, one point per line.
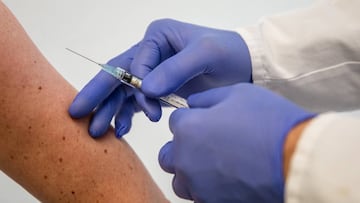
x=174, y=72
x=166, y=158
x=180, y=188
x=147, y=57
x=168, y=77
x=208, y=98
x=153, y=49
x=95, y=92
x=123, y=119
x=101, y=119
x=156, y=46
x=151, y=107
x=100, y=87
x=176, y=120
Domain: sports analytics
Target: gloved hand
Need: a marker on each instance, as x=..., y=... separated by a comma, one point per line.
x=228, y=146
x=172, y=57
x=185, y=58
x=107, y=97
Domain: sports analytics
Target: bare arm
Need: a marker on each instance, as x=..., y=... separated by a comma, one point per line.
x=43, y=149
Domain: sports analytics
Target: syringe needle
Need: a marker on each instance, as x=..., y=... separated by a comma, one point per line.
x=133, y=81
x=83, y=56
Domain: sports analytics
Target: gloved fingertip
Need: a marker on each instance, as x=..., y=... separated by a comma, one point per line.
x=97, y=131
x=81, y=106
x=121, y=131
x=181, y=189
x=94, y=133
x=153, y=116
x=72, y=111
x=165, y=158
x=75, y=111
x=151, y=107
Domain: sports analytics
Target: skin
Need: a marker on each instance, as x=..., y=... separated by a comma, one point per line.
x=43, y=149
x=290, y=144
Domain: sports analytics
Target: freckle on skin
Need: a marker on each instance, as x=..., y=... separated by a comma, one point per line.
x=11, y=157
x=26, y=158
x=45, y=177
x=64, y=138
x=29, y=127
x=35, y=61
x=60, y=159
x=73, y=192
x=39, y=88
x=105, y=151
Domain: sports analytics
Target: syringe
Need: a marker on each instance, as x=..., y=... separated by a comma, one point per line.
x=135, y=82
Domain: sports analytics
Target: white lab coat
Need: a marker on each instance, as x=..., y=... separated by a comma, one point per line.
x=312, y=57
x=325, y=167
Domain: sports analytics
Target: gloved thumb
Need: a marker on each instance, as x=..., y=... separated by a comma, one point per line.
x=208, y=98
x=166, y=158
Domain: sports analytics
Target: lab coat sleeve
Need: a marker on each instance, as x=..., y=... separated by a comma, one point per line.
x=325, y=167
x=311, y=55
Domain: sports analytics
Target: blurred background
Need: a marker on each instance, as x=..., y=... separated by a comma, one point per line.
x=102, y=30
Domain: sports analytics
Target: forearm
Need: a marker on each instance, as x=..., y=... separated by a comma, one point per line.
x=46, y=151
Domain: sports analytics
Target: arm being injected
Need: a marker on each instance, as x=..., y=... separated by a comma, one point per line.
x=135, y=82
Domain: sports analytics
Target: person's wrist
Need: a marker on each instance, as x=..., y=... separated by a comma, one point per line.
x=291, y=142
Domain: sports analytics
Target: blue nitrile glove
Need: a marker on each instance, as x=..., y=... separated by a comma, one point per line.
x=228, y=147
x=107, y=97
x=171, y=55
x=185, y=58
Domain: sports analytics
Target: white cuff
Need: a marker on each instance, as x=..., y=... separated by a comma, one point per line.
x=252, y=38
x=325, y=166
